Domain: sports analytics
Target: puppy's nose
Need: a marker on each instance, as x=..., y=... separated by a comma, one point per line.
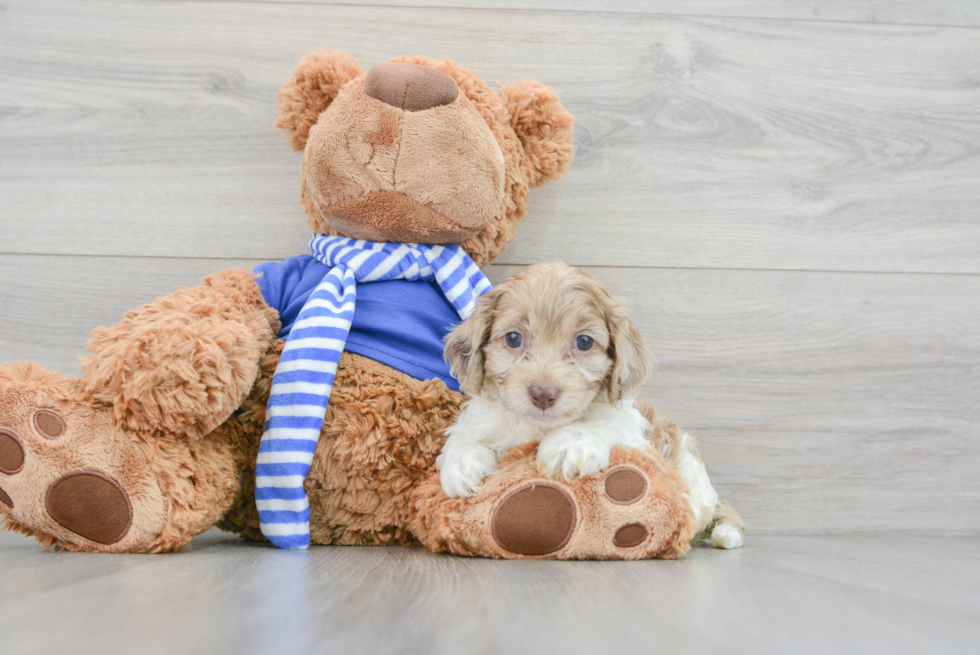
x=543, y=397
x=411, y=87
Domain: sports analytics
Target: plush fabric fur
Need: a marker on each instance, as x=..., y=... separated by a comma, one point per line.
x=464, y=526
x=156, y=385
x=172, y=399
x=315, y=82
x=545, y=133
x=367, y=159
x=178, y=487
x=380, y=171
x=373, y=480
x=381, y=436
x=183, y=364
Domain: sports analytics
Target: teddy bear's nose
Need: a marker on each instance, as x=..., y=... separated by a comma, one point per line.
x=411, y=87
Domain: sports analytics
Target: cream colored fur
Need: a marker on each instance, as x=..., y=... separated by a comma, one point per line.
x=549, y=306
x=486, y=430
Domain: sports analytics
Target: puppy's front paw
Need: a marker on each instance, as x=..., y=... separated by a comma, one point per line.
x=572, y=454
x=463, y=469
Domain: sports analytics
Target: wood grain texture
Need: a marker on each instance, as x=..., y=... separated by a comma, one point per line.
x=779, y=594
x=824, y=402
x=144, y=128
x=51, y=306
x=138, y=155
x=918, y=12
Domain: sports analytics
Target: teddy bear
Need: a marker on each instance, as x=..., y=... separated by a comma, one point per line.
x=164, y=434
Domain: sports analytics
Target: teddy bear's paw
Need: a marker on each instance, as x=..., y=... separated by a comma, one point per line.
x=65, y=475
x=541, y=518
x=633, y=509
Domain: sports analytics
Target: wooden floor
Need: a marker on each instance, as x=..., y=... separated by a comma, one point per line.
x=780, y=594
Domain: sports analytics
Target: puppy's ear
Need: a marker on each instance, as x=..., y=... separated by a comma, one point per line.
x=314, y=84
x=543, y=126
x=632, y=360
x=464, y=345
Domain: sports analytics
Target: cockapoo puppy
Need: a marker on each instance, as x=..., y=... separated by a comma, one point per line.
x=549, y=357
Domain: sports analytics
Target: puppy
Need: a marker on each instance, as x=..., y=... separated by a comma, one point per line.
x=549, y=357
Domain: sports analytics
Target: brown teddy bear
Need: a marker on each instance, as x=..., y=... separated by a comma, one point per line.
x=158, y=440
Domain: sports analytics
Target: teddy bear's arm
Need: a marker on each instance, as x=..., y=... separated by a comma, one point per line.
x=183, y=363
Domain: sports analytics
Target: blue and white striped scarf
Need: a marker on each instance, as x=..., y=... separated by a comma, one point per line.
x=305, y=373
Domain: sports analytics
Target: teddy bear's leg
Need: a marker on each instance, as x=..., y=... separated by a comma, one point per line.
x=635, y=509
x=121, y=460
x=185, y=362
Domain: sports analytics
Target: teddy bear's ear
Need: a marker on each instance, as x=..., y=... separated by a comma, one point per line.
x=543, y=126
x=314, y=84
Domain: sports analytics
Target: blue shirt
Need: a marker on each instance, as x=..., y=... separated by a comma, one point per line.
x=396, y=322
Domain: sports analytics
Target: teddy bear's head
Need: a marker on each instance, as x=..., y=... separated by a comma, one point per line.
x=420, y=150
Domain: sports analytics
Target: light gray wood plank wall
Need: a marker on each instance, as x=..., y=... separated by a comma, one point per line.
x=789, y=205
x=921, y=12
x=825, y=402
x=715, y=143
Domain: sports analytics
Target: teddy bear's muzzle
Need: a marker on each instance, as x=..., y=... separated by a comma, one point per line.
x=402, y=155
x=410, y=87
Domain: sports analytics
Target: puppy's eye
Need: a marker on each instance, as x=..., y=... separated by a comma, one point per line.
x=583, y=342
x=513, y=340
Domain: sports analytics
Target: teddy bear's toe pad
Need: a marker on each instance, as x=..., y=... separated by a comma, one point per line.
x=625, y=486
x=632, y=534
x=6, y=499
x=91, y=505
x=11, y=460
x=535, y=519
x=11, y=453
x=49, y=424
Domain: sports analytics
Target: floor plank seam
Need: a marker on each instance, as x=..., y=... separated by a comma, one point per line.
x=522, y=264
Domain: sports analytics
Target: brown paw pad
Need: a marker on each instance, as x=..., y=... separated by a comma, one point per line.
x=632, y=534
x=91, y=505
x=625, y=485
x=49, y=425
x=536, y=519
x=11, y=453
